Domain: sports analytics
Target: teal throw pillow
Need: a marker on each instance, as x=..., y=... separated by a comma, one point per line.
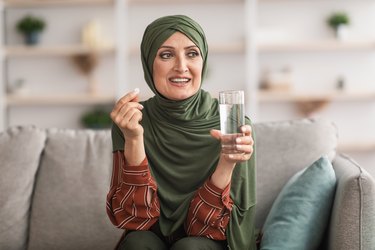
x=301, y=212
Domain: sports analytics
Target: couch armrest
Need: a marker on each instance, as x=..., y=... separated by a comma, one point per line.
x=353, y=214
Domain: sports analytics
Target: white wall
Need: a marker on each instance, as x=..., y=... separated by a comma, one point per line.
x=318, y=71
x=51, y=75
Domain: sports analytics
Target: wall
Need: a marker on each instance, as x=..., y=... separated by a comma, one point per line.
x=318, y=71
x=224, y=23
x=58, y=75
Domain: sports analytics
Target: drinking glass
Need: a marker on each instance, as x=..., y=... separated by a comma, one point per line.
x=232, y=117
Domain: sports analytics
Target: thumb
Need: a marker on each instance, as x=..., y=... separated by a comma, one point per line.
x=215, y=133
x=136, y=98
x=136, y=93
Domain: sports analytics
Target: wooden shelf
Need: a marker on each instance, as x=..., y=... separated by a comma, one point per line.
x=74, y=99
x=59, y=50
x=356, y=147
x=230, y=48
x=134, y=2
x=311, y=46
x=51, y=3
x=291, y=96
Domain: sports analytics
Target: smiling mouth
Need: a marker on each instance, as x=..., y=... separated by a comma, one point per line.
x=179, y=81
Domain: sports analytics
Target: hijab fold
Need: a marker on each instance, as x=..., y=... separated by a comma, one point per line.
x=180, y=151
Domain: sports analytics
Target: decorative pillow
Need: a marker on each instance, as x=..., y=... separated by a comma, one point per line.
x=300, y=213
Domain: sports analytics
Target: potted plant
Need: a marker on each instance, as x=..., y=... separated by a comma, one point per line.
x=31, y=27
x=339, y=22
x=96, y=119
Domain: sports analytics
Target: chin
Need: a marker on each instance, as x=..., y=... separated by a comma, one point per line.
x=175, y=96
x=183, y=97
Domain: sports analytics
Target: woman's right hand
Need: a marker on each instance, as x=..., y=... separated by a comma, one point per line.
x=127, y=115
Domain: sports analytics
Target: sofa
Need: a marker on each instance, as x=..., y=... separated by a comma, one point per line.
x=53, y=185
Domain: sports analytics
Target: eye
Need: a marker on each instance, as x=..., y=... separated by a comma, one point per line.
x=193, y=54
x=165, y=55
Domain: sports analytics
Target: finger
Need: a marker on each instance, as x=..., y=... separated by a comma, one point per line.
x=129, y=106
x=245, y=140
x=127, y=118
x=120, y=110
x=134, y=121
x=238, y=157
x=246, y=129
x=245, y=148
x=131, y=96
x=215, y=134
x=119, y=116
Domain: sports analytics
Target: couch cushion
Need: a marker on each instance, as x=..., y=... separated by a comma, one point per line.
x=68, y=211
x=300, y=213
x=20, y=150
x=285, y=147
x=353, y=220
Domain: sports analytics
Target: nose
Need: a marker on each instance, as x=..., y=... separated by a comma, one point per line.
x=181, y=65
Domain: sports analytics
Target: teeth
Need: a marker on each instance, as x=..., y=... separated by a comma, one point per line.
x=179, y=80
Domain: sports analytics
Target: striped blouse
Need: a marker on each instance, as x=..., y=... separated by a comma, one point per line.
x=133, y=204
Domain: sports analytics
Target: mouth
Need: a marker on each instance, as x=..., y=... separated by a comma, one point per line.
x=179, y=81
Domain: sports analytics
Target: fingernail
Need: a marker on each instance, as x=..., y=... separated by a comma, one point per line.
x=136, y=91
x=230, y=156
x=238, y=140
x=140, y=107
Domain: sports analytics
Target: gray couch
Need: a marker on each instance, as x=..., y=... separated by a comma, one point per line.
x=53, y=185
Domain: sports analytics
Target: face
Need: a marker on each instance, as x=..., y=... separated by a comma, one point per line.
x=177, y=68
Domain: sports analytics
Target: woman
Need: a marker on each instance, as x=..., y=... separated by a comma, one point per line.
x=171, y=187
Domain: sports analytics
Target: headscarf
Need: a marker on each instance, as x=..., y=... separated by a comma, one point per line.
x=180, y=151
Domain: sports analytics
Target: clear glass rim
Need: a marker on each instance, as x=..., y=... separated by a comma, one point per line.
x=231, y=97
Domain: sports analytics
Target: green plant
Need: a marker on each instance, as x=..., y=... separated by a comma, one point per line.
x=30, y=24
x=338, y=18
x=97, y=119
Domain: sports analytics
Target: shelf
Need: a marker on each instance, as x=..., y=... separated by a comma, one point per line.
x=230, y=48
x=312, y=46
x=293, y=46
x=51, y=3
x=356, y=147
x=60, y=50
x=291, y=96
x=134, y=2
x=76, y=99
x=310, y=2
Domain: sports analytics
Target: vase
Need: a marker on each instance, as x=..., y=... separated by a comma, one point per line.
x=32, y=38
x=341, y=32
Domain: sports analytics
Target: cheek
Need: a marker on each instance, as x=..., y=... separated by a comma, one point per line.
x=160, y=69
x=198, y=70
x=157, y=74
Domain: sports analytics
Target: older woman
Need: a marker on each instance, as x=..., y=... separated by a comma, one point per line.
x=172, y=187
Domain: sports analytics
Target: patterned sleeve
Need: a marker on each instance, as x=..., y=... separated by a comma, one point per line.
x=209, y=212
x=132, y=201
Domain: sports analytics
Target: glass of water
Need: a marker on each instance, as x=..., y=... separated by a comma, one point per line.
x=232, y=117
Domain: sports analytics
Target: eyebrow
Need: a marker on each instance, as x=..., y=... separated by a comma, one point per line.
x=171, y=47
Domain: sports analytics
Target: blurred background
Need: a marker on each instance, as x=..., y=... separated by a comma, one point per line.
x=63, y=63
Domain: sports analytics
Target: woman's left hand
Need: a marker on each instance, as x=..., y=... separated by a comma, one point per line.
x=227, y=162
x=244, y=144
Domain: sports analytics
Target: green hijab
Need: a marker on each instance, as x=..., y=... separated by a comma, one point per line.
x=180, y=151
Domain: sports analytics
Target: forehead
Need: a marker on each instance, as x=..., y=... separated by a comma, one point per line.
x=178, y=39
